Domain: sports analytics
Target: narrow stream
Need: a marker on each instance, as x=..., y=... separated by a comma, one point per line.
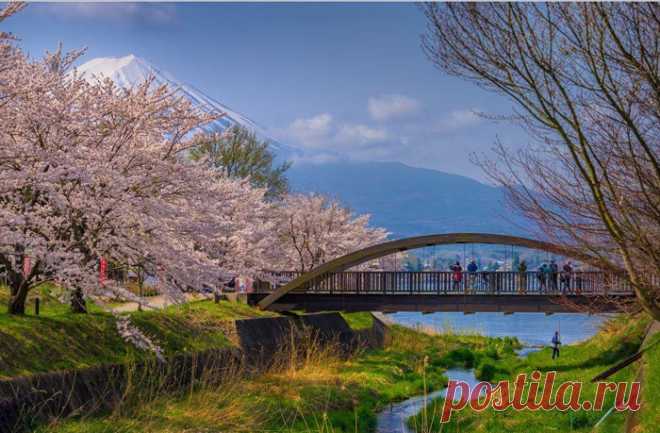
x=531, y=329
x=393, y=419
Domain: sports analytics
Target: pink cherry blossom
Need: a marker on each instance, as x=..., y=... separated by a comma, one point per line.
x=90, y=170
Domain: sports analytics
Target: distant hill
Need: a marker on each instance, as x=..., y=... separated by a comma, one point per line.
x=410, y=201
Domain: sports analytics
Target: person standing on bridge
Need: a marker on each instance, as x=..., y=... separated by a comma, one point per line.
x=457, y=276
x=555, y=345
x=566, y=272
x=522, y=277
x=542, y=273
x=472, y=274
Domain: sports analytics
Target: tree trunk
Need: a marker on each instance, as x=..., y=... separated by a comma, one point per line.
x=78, y=303
x=17, y=300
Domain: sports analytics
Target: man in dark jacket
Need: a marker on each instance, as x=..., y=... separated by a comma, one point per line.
x=472, y=273
x=555, y=345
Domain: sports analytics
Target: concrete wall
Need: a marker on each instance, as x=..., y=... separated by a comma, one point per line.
x=261, y=340
x=25, y=401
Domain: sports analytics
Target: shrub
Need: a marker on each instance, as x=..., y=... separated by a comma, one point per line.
x=486, y=370
x=491, y=352
x=462, y=357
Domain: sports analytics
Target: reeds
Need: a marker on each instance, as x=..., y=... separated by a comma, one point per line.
x=224, y=393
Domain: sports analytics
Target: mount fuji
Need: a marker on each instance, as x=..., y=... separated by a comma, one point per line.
x=405, y=200
x=130, y=70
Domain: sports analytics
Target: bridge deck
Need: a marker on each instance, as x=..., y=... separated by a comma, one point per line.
x=444, y=291
x=443, y=303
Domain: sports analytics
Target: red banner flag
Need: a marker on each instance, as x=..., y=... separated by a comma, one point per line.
x=103, y=267
x=27, y=266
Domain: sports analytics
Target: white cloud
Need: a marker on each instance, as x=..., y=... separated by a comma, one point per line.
x=444, y=142
x=321, y=131
x=458, y=119
x=360, y=134
x=387, y=107
x=313, y=131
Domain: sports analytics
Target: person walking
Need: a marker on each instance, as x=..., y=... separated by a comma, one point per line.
x=542, y=276
x=522, y=277
x=472, y=274
x=555, y=345
x=457, y=276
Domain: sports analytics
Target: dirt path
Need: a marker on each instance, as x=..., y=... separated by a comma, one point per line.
x=157, y=302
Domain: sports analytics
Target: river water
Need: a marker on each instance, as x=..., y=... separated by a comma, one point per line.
x=393, y=419
x=532, y=329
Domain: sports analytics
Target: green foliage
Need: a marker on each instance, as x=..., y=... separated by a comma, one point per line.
x=486, y=370
x=240, y=154
x=617, y=339
x=329, y=395
x=462, y=357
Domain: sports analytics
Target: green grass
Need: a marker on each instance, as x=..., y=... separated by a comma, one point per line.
x=358, y=321
x=649, y=414
x=58, y=340
x=581, y=362
x=324, y=394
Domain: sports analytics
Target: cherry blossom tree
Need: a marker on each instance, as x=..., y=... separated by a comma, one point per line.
x=312, y=229
x=90, y=170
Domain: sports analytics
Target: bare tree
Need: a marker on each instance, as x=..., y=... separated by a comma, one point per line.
x=584, y=79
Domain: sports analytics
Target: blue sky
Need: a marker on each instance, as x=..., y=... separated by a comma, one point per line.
x=335, y=79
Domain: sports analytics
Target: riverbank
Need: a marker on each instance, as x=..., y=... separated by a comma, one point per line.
x=317, y=390
x=616, y=340
x=60, y=340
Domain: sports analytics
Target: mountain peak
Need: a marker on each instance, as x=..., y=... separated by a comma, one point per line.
x=124, y=71
x=129, y=70
x=107, y=65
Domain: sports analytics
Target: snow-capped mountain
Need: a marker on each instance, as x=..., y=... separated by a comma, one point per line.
x=405, y=200
x=130, y=70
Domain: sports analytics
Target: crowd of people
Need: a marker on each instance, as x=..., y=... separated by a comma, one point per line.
x=551, y=279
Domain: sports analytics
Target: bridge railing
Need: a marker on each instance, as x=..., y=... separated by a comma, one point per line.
x=591, y=283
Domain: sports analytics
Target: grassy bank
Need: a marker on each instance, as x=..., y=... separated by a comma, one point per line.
x=581, y=362
x=57, y=339
x=316, y=392
x=649, y=416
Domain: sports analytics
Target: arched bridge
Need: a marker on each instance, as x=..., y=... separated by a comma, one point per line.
x=331, y=287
